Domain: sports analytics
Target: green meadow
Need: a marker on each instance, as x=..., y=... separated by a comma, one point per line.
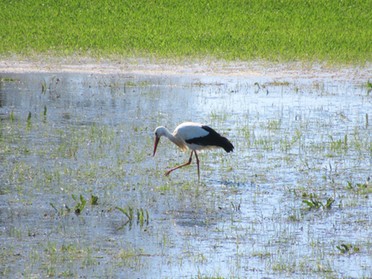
x=331, y=31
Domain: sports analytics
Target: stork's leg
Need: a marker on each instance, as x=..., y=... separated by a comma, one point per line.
x=180, y=166
x=197, y=163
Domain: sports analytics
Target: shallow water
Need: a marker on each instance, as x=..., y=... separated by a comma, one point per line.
x=63, y=135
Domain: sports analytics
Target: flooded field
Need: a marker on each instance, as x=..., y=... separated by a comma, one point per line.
x=81, y=195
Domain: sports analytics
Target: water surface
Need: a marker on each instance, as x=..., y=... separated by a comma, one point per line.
x=66, y=135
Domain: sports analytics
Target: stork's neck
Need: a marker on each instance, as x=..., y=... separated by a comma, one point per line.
x=162, y=131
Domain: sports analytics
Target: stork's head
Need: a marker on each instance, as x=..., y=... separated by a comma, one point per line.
x=159, y=131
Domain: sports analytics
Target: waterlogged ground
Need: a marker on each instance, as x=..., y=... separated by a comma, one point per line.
x=293, y=200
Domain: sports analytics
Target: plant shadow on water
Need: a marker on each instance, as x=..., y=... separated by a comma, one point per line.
x=81, y=196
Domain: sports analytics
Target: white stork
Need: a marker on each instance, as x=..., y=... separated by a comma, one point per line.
x=193, y=136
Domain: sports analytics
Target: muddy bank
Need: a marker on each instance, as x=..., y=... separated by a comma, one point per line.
x=291, y=70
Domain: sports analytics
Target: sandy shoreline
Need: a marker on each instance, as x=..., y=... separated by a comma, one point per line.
x=290, y=70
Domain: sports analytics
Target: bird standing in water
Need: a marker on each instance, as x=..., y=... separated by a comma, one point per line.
x=192, y=136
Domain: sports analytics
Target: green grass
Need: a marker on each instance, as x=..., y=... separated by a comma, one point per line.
x=333, y=31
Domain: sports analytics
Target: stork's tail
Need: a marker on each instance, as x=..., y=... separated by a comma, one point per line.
x=226, y=144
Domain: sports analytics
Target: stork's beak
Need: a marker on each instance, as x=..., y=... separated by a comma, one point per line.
x=156, y=144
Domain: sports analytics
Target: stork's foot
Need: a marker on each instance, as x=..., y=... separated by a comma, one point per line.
x=167, y=173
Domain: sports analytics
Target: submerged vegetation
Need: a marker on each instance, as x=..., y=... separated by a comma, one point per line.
x=335, y=31
x=79, y=185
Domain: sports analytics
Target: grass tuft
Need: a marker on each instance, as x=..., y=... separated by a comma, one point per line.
x=314, y=203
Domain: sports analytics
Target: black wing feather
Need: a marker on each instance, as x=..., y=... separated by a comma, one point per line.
x=212, y=139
